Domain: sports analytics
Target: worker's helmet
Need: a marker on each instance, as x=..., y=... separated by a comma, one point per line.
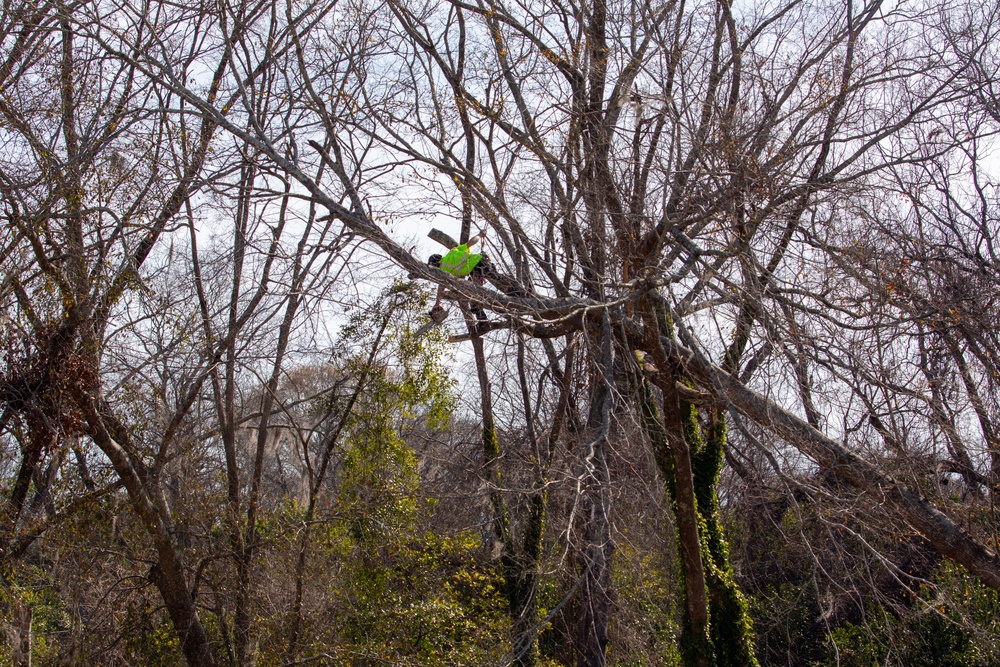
x=435, y=261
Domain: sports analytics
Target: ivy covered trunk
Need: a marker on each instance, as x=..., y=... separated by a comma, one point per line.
x=673, y=457
x=717, y=628
x=731, y=628
x=522, y=585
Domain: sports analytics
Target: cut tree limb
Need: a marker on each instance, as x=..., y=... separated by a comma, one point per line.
x=442, y=238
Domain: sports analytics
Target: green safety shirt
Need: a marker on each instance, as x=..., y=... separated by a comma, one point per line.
x=459, y=262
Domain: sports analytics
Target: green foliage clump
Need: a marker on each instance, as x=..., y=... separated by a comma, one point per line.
x=151, y=638
x=30, y=587
x=953, y=623
x=786, y=619
x=379, y=482
x=646, y=632
x=950, y=620
x=380, y=587
x=422, y=601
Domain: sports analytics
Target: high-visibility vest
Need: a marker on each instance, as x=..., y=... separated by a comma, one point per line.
x=459, y=262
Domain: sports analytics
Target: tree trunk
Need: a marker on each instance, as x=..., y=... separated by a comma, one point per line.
x=523, y=586
x=696, y=645
x=731, y=629
x=168, y=573
x=20, y=641
x=673, y=458
x=595, y=595
x=598, y=549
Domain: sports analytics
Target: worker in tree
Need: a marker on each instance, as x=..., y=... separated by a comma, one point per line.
x=460, y=262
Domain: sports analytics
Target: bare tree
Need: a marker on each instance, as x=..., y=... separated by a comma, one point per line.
x=764, y=231
x=87, y=201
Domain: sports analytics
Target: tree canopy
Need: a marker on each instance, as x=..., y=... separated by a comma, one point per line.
x=727, y=396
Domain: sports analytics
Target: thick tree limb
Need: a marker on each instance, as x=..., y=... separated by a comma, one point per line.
x=945, y=535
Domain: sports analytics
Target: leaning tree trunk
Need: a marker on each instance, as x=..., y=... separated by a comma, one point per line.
x=167, y=574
